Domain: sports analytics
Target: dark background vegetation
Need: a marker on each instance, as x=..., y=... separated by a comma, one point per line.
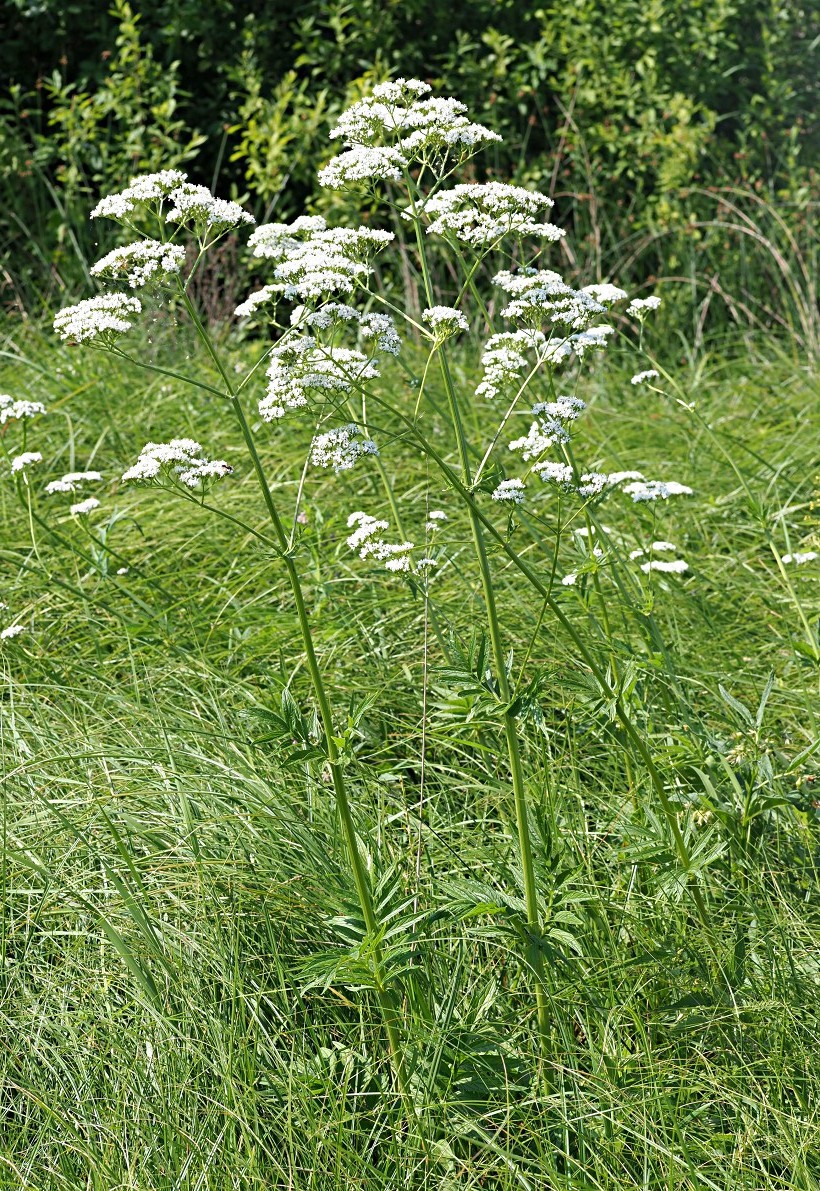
x=678, y=140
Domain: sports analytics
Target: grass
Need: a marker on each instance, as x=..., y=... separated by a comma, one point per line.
x=178, y=998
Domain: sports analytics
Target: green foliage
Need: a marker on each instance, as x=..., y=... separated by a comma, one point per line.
x=625, y=111
x=187, y=991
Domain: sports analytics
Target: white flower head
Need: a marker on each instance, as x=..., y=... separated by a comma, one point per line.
x=26, y=459
x=675, y=566
x=197, y=207
x=103, y=317
x=640, y=307
x=482, y=213
x=559, y=474
x=367, y=540
x=140, y=263
x=84, y=507
x=510, y=491
x=13, y=630
x=646, y=490
x=72, y=480
x=445, y=321
x=800, y=557
x=605, y=293
x=640, y=377
x=363, y=163
x=147, y=188
x=340, y=448
x=300, y=366
x=180, y=459
x=18, y=411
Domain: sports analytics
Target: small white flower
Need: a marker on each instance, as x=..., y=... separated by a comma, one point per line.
x=365, y=539
x=104, y=317
x=436, y=519
x=511, y=491
x=482, y=213
x=555, y=473
x=640, y=377
x=569, y=580
x=122, y=570
x=604, y=293
x=801, y=557
x=84, y=507
x=592, y=483
x=640, y=307
x=27, y=459
x=15, y=411
x=71, y=481
x=445, y=321
x=139, y=263
x=340, y=448
x=643, y=490
x=363, y=163
x=621, y=477
x=181, y=458
x=13, y=630
x=676, y=567
x=147, y=188
x=196, y=205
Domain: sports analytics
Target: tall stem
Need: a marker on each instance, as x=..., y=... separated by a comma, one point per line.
x=510, y=727
x=386, y=1000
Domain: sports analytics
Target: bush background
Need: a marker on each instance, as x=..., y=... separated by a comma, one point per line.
x=640, y=118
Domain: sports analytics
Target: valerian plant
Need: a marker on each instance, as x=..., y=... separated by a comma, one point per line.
x=333, y=332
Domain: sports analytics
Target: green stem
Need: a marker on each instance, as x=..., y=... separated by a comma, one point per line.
x=510, y=727
x=386, y=1000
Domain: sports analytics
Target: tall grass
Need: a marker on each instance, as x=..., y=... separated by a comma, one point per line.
x=168, y=883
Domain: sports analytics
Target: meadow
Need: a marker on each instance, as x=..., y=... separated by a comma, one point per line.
x=409, y=664
x=173, y=873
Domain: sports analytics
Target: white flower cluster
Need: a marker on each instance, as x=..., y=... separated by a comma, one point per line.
x=445, y=321
x=510, y=491
x=800, y=557
x=313, y=260
x=72, y=480
x=605, y=293
x=640, y=307
x=141, y=262
x=550, y=428
x=367, y=540
x=673, y=566
x=363, y=163
x=482, y=213
x=27, y=459
x=147, y=188
x=592, y=339
x=181, y=458
x=640, y=377
x=504, y=363
x=17, y=411
x=540, y=295
x=300, y=365
x=371, y=326
x=418, y=128
x=84, y=507
x=436, y=518
x=11, y=631
x=195, y=204
x=644, y=490
x=341, y=447
x=103, y=317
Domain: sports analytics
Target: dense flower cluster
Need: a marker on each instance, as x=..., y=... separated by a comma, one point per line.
x=147, y=188
x=640, y=377
x=445, y=321
x=26, y=459
x=72, y=480
x=19, y=410
x=402, y=118
x=179, y=459
x=366, y=539
x=103, y=317
x=644, y=490
x=341, y=447
x=640, y=307
x=312, y=260
x=141, y=262
x=196, y=205
x=300, y=365
x=510, y=491
x=480, y=214
x=84, y=507
x=800, y=557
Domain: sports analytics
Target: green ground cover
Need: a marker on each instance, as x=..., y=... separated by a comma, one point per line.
x=176, y=903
